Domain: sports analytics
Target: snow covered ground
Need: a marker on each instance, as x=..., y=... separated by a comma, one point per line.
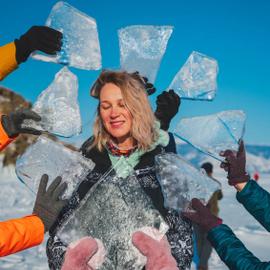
x=16, y=201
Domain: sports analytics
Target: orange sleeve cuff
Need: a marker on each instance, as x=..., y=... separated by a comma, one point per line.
x=4, y=139
x=19, y=234
x=7, y=59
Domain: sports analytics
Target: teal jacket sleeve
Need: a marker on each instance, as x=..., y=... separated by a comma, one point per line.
x=232, y=251
x=257, y=202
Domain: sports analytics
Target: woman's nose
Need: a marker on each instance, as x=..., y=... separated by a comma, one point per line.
x=115, y=112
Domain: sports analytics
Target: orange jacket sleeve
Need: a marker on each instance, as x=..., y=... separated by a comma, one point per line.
x=4, y=139
x=7, y=59
x=19, y=234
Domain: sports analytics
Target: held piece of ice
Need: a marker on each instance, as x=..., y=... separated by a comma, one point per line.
x=181, y=182
x=142, y=48
x=213, y=133
x=80, y=47
x=58, y=106
x=54, y=159
x=112, y=211
x=197, y=78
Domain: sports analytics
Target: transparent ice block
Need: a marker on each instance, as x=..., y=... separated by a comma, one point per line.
x=80, y=47
x=142, y=48
x=213, y=133
x=112, y=211
x=49, y=157
x=58, y=106
x=181, y=182
x=197, y=79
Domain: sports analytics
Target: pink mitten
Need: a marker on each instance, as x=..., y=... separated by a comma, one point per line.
x=78, y=255
x=158, y=253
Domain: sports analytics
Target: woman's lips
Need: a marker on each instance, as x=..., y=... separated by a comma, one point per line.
x=117, y=124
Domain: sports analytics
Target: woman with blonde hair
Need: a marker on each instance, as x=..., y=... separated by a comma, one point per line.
x=126, y=126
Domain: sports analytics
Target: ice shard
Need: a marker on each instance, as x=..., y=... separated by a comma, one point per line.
x=111, y=211
x=80, y=47
x=54, y=159
x=58, y=106
x=213, y=133
x=181, y=182
x=142, y=48
x=197, y=79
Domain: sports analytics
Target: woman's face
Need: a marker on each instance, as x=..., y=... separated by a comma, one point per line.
x=115, y=116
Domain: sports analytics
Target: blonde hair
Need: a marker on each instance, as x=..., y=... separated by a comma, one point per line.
x=136, y=101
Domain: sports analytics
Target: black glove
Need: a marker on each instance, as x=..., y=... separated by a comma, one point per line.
x=48, y=205
x=12, y=123
x=235, y=165
x=203, y=217
x=168, y=104
x=40, y=38
x=149, y=87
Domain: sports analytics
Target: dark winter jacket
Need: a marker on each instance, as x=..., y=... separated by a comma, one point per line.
x=229, y=248
x=180, y=231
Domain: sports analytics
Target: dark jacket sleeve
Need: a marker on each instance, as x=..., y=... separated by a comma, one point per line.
x=232, y=251
x=56, y=249
x=257, y=202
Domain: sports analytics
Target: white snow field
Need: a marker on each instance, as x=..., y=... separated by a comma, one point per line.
x=17, y=201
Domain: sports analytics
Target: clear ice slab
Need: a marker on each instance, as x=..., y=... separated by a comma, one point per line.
x=197, y=79
x=49, y=157
x=80, y=47
x=112, y=211
x=58, y=106
x=211, y=134
x=181, y=182
x=142, y=48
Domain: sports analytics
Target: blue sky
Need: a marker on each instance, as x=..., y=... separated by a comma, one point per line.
x=237, y=34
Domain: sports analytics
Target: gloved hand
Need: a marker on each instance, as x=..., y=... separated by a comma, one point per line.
x=168, y=104
x=12, y=123
x=149, y=87
x=235, y=165
x=158, y=253
x=48, y=205
x=77, y=257
x=203, y=217
x=40, y=38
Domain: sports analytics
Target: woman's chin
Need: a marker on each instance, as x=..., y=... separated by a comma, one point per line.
x=119, y=135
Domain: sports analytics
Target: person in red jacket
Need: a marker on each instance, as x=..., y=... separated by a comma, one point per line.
x=19, y=234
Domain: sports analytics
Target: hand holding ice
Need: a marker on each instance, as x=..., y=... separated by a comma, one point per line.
x=213, y=133
x=80, y=47
x=118, y=207
x=197, y=78
x=142, y=48
x=180, y=182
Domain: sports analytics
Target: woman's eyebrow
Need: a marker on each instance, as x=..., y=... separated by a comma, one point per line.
x=109, y=101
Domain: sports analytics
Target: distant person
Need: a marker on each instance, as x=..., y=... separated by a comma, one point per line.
x=255, y=199
x=204, y=247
